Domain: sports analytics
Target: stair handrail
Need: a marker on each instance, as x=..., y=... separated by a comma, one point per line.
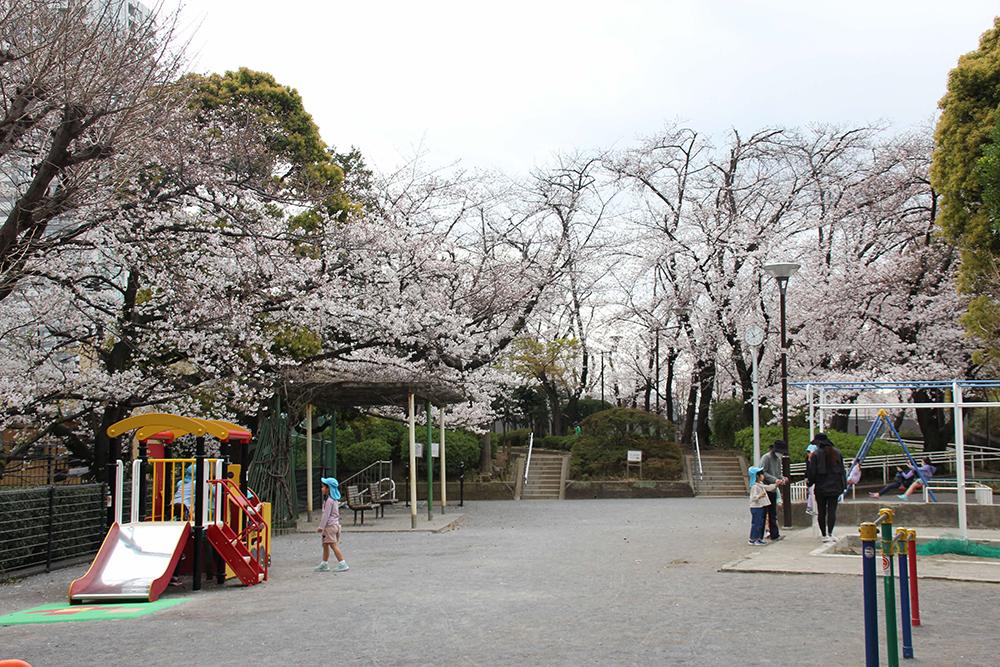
x=527, y=463
x=697, y=450
x=254, y=521
x=366, y=475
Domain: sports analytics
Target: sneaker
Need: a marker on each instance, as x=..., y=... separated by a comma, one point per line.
x=342, y=567
x=322, y=567
x=760, y=543
x=811, y=512
x=175, y=581
x=751, y=541
x=873, y=495
x=779, y=537
x=829, y=538
x=902, y=497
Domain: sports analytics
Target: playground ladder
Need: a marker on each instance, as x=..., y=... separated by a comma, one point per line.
x=234, y=547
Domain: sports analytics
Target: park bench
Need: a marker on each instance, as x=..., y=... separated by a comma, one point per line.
x=382, y=493
x=357, y=502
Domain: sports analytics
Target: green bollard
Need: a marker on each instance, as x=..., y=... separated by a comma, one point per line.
x=888, y=569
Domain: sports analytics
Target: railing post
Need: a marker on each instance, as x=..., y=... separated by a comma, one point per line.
x=141, y=513
x=199, y=508
x=461, y=484
x=110, y=479
x=48, y=544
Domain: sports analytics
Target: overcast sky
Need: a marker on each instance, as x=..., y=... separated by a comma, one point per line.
x=508, y=84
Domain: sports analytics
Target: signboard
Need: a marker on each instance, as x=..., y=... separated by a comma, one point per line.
x=435, y=450
x=635, y=456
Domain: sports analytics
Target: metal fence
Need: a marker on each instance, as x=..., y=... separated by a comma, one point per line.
x=43, y=528
x=36, y=471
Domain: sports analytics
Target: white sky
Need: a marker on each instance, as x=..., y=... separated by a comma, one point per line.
x=508, y=84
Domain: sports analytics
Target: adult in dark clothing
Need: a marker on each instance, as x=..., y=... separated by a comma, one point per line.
x=825, y=470
x=770, y=464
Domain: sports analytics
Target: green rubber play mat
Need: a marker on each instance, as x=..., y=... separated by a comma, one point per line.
x=60, y=613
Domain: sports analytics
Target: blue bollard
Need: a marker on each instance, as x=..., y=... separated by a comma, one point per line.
x=869, y=532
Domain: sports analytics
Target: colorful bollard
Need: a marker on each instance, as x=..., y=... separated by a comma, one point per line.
x=911, y=549
x=869, y=531
x=891, y=637
x=904, y=595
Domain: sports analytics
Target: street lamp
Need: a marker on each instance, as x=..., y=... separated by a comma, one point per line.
x=781, y=273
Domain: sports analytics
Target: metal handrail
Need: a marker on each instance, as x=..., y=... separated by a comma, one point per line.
x=368, y=477
x=697, y=449
x=527, y=462
x=948, y=456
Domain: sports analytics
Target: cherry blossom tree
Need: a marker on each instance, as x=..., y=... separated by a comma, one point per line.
x=78, y=94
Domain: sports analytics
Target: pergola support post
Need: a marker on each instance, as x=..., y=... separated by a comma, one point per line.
x=413, y=461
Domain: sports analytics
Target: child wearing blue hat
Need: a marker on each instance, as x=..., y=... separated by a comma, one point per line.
x=758, y=504
x=329, y=525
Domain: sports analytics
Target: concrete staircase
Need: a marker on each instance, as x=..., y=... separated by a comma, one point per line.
x=546, y=477
x=724, y=475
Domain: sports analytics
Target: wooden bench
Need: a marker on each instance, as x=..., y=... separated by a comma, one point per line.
x=356, y=501
x=382, y=493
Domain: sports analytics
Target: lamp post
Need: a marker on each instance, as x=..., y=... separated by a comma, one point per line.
x=781, y=273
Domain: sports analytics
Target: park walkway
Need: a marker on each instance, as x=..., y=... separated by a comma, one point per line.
x=584, y=582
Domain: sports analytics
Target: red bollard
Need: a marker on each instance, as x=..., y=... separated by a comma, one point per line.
x=911, y=550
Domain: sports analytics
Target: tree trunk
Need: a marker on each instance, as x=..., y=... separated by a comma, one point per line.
x=692, y=408
x=112, y=413
x=555, y=407
x=840, y=421
x=934, y=423
x=486, y=454
x=707, y=383
x=668, y=394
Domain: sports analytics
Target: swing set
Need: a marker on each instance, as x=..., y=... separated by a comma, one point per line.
x=956, y=388
x=881, y=421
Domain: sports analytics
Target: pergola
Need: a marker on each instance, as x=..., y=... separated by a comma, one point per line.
x=331, y=392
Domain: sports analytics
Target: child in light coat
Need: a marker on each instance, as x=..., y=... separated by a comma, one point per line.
x=758, y=504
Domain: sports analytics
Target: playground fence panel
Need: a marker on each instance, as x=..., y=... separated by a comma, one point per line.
x=42, y=528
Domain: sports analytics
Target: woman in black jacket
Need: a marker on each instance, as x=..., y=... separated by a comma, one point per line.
x=825, y=471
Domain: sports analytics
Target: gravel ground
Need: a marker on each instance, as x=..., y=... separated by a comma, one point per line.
x=584, y=582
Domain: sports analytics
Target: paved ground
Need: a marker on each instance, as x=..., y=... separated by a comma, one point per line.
x=586, y=582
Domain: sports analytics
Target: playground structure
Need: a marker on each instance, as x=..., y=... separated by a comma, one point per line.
x=138, y=557
x=956, y=404
x=874, y=432
x=908, y=597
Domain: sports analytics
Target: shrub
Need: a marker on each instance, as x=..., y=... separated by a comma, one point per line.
x=799, y=439
x=727, y=419
x=516, y=438
x=560, y=442
x=460, y=446
x=358, y=455
x=602, y=448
